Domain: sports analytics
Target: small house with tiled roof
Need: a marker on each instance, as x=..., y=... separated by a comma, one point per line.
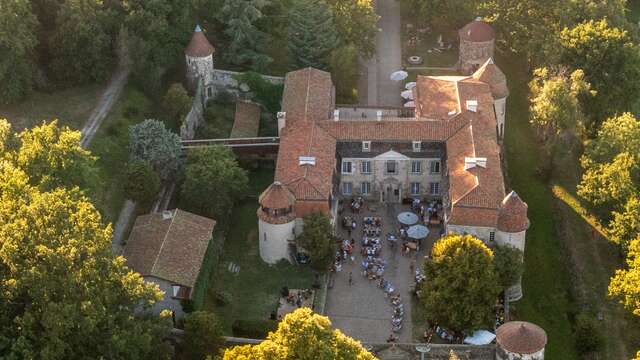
x=168, y=249
x=477, y=45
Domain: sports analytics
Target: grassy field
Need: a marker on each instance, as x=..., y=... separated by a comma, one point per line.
x=634, y=10
x=71, y=106
x=255, y=288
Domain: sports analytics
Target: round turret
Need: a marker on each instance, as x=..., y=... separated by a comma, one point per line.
x=477, y=44
x=276, y=222
x=519, y=340
x=512, y=231
x=199, y=56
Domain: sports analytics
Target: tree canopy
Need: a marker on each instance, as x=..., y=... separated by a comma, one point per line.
x=202, y=335
x=152, y=142
x=177, y=103
x=213, y=181
x=318, y=241
x=302, y=335
x=625, y=284
x=312, y=35
x=142, y=183
x=509, y=265
x=461, y=285
x=355, y=22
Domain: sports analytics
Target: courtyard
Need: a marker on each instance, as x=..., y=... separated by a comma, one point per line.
x=361, y=309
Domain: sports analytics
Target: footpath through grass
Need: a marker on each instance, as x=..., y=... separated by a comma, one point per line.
x=547, y=300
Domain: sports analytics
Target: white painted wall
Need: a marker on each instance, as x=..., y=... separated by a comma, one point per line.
x=516, y=240
x=274, y=240
x=502, y=354
x=482, y=233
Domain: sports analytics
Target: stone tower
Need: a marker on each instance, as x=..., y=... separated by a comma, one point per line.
x=199, y=57
x=519, y=340
x=477, y=45
x=276, y=222
x=491, y=74
x=512, y=229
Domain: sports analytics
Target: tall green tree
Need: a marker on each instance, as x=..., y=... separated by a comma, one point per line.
x=213, y=181
x=18, y=39
x=302, y=335
x=355, y=22
x=142, y=183
x=312, y=34
x=625, y=224
x=318, y=241
x=81, y=46
x=152, y=142
x=345, y=71
x=443, y=15
x=202, y=335
x=509, y=265
x=247, y=40
x=625, y=284
x=609, y=60
x=176, y=103
x=461, y=285
x=63, y=293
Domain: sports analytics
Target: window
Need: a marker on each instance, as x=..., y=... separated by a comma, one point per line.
x=347, y=188
x=415, y=188
x=209, y=92
x=366, y=146
x=434, y=188
x=416, y=167
x=492, y=236
x=435, y=167
x=365, y=188
x=347, y=167
x=417, y=146
x=365, y=167
x=391, y=167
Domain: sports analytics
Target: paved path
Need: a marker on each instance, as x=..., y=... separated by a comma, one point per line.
x=124, y=219
x=109, y=97
x=362, y=310
x=380, y=90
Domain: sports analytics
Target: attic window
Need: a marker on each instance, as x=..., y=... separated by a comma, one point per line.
x=366, y=146
x=417, y=146
x=471, y=162
x=307, y=160
x=472, y=105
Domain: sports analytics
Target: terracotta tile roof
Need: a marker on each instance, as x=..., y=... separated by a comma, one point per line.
x=277, y=196
x=199, y=46
x=436, y=97
x=513, y=214
x=247, y=120
x=308, y=95
x=521, y=337
x=170, y=249
x=491, y=74
x=388, y=129
x=477, y=31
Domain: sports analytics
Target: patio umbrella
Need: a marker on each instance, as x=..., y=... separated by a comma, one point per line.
x=407, y=94
x=410, y=85
x=407, y=218
x=418, y=232
x=410, y=104
x=399, y=75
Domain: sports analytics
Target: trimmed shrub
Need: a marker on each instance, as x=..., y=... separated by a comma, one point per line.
x=253, y=329
x=588, y=336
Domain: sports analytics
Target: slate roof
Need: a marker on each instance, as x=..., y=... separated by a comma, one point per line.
x=521, y=337
x=199, y=46
x=477, y=31
x=171, y=249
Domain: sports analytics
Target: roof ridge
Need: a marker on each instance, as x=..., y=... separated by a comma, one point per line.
x=155, y=262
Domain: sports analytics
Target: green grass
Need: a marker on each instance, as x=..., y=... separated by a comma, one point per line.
x=547, y=299
x=111, y=147
x=255, y=289
x=71, y=107
x=634, y=10
x=424, y=48
x=219, y=117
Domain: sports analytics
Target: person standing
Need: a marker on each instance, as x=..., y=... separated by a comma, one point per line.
x=350, y=278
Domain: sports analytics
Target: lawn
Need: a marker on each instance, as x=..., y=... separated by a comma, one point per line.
x=71, y=106
x=634, y=10
x=111, y=147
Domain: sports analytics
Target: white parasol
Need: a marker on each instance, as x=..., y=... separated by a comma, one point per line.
x=399, y=75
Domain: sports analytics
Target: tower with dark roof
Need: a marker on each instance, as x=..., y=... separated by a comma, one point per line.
x=512, y=229
x=477, y=45
x=199, y=58
x=520, y=340
x=276, y=222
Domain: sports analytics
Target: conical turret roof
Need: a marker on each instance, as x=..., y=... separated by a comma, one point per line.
x=521, y=337
x=199, y=46
x=477, y=31
x=277, y=196
x=512, y=216
x=489, y=73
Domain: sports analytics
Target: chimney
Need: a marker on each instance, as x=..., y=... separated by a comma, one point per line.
x=167, y=214
x=472, y=105
x=282, y=121
x=336, y=115
x=379, y=115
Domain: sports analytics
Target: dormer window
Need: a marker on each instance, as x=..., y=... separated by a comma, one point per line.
x=366, y=146
x=417, y=146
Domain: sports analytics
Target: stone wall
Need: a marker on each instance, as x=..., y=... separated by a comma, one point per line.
x=195, y=117
x=473, y=54
x=437, y=352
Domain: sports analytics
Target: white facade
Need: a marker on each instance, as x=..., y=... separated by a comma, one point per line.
x=502, y=354
x=516, y=240
x=274, y=240
x=500, y=107
x=481, y=232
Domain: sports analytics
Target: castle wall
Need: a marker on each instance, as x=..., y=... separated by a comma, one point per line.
x=203, y=67
x=482, y=233
x=502, y=354
x=473, y=54
x=274, y=240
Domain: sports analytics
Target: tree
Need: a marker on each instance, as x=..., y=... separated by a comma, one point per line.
x=214, y=173
x=461, y=285
x=355, y=22
x=81, y=46
x=345, y=70
x=609, y=59
x=53, y=157
x=318, y=241
x=202, y=335
x=625, y=225
x=625, y=284
x=247, y=40
x=509, y=265
x=555, y=105
x=588, y=335
x=64, y=294
x=176, y=103
x=18, y=39
x=151, y=141
x=453, y=356
x=143, y=184
x=312, y=34
x=443, y=15
x=302, y=335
